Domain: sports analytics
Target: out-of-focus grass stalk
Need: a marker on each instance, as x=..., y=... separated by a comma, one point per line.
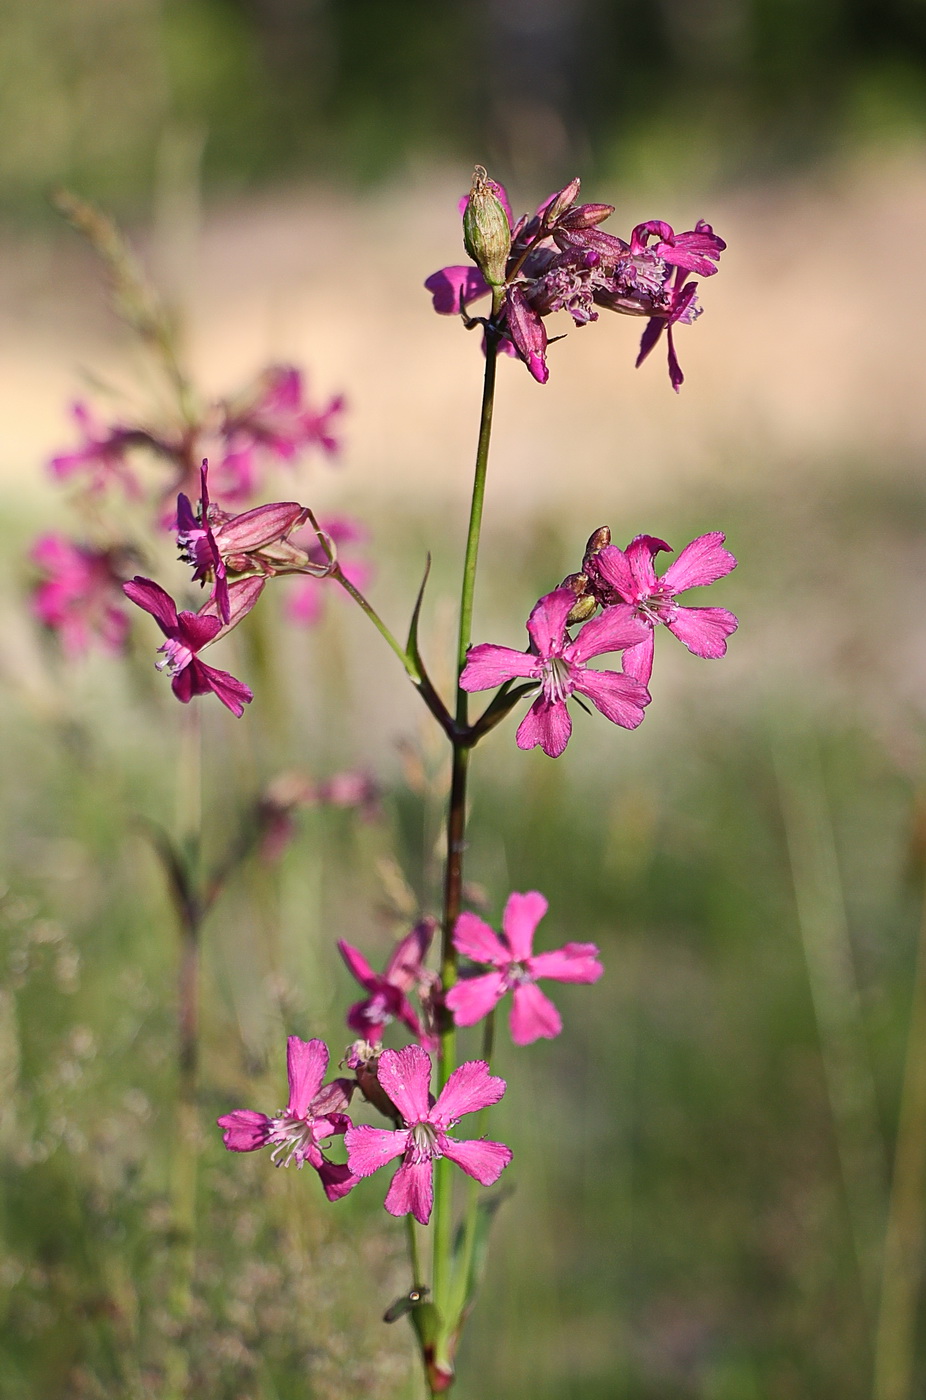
x=837, y=1006
x=902, y=1261
x=185, y=1145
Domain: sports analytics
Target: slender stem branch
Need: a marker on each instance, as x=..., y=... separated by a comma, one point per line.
x=475, y=516
x=414, y=1254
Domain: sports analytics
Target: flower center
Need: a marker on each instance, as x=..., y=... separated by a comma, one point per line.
x=516, y=974
x=656, y=607
x=176, y=657
x=556, y=679
x=424, y=1142
x=292, y=1137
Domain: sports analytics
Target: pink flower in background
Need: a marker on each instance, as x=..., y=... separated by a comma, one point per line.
x=81, y=596
x=273, y=420
x=629, y=577
x=187, y=633
x=516, y=969
x=558, y=664
x=388, y=991
x=405, y=1075
x=102, y=455
x=305, y=599
x=312, y=1115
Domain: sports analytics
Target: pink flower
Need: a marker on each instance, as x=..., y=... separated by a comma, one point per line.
x=388, y=991
x=187, y=633
x=406, y=1077
x=629, y=577
x=561, y=260
x=559, y=666
x=273, y=419
x=312, y=1115
x=102, y=453
x=304, y=602
x=516, y=969
x=81, y=596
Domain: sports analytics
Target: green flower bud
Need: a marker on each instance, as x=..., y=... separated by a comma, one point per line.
x=486, y=234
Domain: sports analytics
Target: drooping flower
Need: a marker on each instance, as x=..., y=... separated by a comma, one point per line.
x=215, y=542
x=620, y=577
x=272, y=419
x=187, y=633
x=559, y=665
x=387, y=998
x=516, y=968
x=560, y=260
x=101, y=455
x=405, y=1075
x=80, y=597
x=313, y=1115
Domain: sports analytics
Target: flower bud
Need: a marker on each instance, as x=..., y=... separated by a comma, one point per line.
x=597, y=540
x=560, y=202
x=486, y=233
x=585, y=603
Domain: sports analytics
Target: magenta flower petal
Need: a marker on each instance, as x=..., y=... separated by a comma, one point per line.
x=703, y=630
x=523, y=913
x=488, y=665
x=337, y=1180
x=406, y=1077
x=474, y=938
x=620, y=698
x=199, y=679
x=155, y=600
x=576, y=962
x=244, y=1130
x=474, y=997
x=701, y=562
x=547, y=621
x=306, y=1062
x=412, y=1189
x=195, y=630
x=451, y=287
x=368, y=1149
x=614, y=629
x=483, y=1160
x=468, y=1089
x=641, y=552
x=638, y=660
x=403, y=969
x=533, y=1015
x=547, y=724
x=358, y=966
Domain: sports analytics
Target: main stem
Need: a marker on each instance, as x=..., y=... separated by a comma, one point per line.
x=456, y=843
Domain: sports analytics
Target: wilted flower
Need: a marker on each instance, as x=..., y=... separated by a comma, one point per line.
x=388, y=990
x=516, y=968
x=81, y=596
x=312, y=1115
x=560, y=260
x=188, y=633
x=405, y=1075
x=621, y=577
x=559, y=665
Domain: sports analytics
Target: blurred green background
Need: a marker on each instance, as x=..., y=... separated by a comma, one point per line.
x=704, y=1159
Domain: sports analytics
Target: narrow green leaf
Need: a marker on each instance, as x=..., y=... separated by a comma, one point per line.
x=411, y=646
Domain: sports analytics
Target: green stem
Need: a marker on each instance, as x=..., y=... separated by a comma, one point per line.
x=475, y=515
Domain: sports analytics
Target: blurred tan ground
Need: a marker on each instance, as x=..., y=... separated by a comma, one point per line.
x=809, y=349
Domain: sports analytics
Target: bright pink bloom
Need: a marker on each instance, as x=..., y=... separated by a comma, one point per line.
x=305, y=600
x=81, y=596
x=273, y=419
x=312, y=1115
x=406, y=1077
x=388, y=991
x=516, y=968
x=630, y=578
x=102, y=454
x=558, y=664
x=187, y=633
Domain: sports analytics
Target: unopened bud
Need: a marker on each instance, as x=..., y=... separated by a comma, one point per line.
x=560, y=203
x=585, y=603
x=598, y=539
x=486, y=233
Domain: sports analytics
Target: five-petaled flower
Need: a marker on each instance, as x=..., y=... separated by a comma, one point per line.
x=516, y=968
x=313, y=1115
x=187, y=633
x=623, y=577
x=387, y=998
x=558, y=664
x=405, y=1075
x=80, y=597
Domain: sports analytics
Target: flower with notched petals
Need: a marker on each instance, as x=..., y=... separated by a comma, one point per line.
x=312, y=1115
x=387, y=998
